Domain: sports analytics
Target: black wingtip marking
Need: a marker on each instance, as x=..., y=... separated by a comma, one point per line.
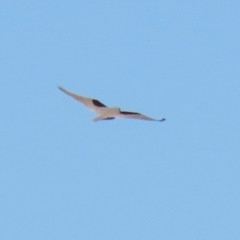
x=62, y=89
x=126, y=113
x=97, y=103
x=110, y=118
x=162, y=120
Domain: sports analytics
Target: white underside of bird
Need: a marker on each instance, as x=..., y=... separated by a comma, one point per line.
x=104, y=112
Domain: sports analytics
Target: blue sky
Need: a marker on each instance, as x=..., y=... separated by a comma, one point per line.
x=63, y=176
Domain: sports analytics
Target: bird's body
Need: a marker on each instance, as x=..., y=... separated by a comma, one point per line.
x=104, y=112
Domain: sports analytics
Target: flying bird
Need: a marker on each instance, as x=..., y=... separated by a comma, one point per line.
x=104, y=112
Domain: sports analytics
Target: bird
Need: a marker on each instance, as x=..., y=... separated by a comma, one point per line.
x=107, y=113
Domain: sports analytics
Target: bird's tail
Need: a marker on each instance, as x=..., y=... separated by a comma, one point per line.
x=97, y=118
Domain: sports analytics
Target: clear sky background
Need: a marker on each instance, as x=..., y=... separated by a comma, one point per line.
x=63, y=176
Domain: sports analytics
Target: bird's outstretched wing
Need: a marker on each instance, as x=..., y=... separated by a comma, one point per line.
x=135, y=115
x=90, y=103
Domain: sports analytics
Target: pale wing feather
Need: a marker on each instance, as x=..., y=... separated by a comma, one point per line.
x=88, y=102
x=139, y=117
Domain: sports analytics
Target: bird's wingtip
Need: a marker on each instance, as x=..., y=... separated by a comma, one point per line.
x=61, y=88
x=162, y=120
